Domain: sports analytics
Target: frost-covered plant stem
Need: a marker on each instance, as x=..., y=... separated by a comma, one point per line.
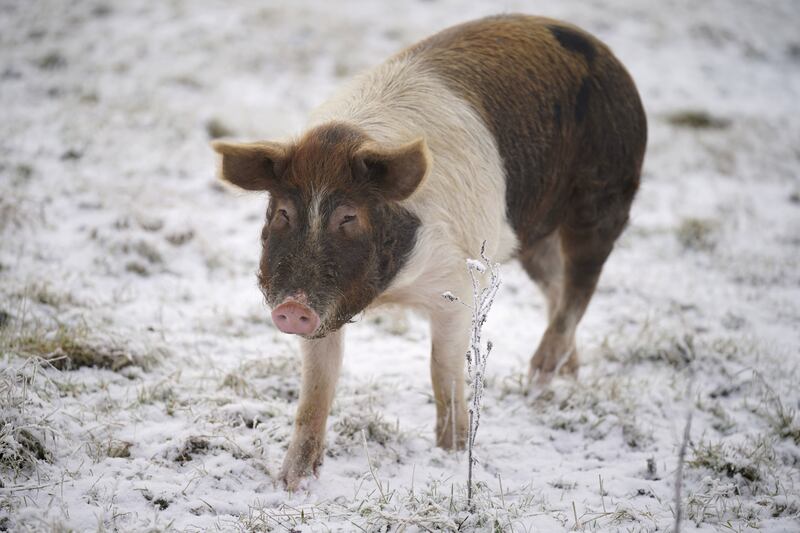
x=477, y=354
x=679, y=472
x=682, y=454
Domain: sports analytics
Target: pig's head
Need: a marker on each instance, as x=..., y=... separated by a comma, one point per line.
x=335, y=233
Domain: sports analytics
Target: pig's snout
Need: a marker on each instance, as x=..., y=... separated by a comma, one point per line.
x=293, y=316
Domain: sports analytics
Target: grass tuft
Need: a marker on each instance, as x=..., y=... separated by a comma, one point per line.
x=348, y=430
x=27, y=434
x=114, y=448
x=273, y=377
x=697, y=234
x=68, y=347
x=782, y=419
x=727, y=460
x=697, y=120
x=193, y=446
x=436, y=506
x=654, y=346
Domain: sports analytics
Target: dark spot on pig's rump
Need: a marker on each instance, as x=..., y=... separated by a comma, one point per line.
x=574, y=41
x=557, y=115
x=582, y=101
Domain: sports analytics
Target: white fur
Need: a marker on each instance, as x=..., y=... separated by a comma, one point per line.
x=462, y=201
x=315, y=213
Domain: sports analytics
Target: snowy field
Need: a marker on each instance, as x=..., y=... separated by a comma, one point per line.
x=144, y=388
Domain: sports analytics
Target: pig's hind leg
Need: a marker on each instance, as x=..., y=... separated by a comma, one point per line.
x=585, y=243
x=544, y=263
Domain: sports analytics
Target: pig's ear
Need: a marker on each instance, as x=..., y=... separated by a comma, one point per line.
x=394, y=171
x=252, y=166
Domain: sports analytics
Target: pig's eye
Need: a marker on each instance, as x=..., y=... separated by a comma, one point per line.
x=282, y=218
x=345, y=219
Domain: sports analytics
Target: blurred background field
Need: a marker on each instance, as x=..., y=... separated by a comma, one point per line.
x=143, y=387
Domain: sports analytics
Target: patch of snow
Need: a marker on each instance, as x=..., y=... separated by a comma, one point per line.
x=114, y=232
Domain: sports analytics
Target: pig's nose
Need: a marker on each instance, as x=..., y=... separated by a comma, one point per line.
x=293, y=317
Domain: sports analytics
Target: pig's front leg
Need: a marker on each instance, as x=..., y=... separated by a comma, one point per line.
x=322, y=360
x=450, y=327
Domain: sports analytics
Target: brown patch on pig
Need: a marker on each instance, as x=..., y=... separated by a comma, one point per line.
x=520, y=73
x=570, y=176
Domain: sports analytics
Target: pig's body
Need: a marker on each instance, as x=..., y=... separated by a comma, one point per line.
x=532, y=140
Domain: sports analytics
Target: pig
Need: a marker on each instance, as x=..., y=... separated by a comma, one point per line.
x=521, y=131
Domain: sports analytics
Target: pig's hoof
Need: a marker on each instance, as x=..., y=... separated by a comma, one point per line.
x=571, y=366
x=298, y=466
x=446, y=441
x=551, y=359
x=292, y=474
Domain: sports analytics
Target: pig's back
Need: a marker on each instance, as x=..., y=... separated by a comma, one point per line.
x=562, y=109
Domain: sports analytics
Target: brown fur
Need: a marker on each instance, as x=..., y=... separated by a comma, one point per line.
x=522, y=74
x=343, y=272
x=571, y=131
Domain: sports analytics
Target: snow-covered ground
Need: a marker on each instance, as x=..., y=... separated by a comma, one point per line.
x=120, y=252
